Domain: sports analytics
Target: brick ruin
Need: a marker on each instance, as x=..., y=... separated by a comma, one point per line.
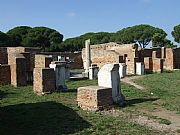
x=155, y=59
x=20, y=66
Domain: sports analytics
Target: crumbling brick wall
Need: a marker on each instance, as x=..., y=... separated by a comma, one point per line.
x=111, y=53
x=176, y=59
x=94, y=98
x=3, y=55
x=43, y=80
x=169, y=59
x=18, y=70
x=5, y=74
x=42, y=61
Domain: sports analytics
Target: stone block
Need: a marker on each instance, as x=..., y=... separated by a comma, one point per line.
x=94, y=98
x=42, y=61
x=5, y=74
x=43, y=80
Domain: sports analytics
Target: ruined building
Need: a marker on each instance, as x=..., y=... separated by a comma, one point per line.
x=155, y=59
x=18, y=63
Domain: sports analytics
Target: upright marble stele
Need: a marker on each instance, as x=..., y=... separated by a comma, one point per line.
x=139, y=68
x=122, y=70
x=108, y=76
x=60, y=72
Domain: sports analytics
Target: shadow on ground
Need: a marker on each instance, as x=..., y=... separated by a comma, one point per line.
x=4, y=94
x=139, y=100
x=45, y=118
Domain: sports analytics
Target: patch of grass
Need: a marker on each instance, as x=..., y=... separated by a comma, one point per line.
x=165, y=86
x=178, y=131
x=22, y=112
x=164, y=121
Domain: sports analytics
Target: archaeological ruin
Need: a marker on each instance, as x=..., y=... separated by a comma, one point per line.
x=109, y=62
x=154, y=60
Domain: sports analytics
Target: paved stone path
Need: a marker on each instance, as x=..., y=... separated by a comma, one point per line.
x=130, y=81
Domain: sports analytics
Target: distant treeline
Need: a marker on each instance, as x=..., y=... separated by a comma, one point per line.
x=51, y=40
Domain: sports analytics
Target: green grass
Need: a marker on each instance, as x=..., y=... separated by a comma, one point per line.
x=165, y=86
x=164, y=121
x=24, y=113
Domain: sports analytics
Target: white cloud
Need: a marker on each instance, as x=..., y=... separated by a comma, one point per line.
x=71, y=14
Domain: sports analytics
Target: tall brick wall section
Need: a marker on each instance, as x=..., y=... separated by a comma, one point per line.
x=157, y=65
x=5, y=74
x=131, y=65
x=18, y=71
x=112, y=53
x=104, y=57
x=169, y=59
x=94, y=98
x=42, y=61
x=148, y=64
x=176, y=58
x=43, y=80
x=3, y=55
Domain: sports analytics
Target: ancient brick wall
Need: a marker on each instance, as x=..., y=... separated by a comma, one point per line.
x=111, y=53
x=75, y=58
x=176, y=58
x=104, y=57
x=42, y=61
x=3, y=55
x=18, y=71
x=148, y=64
x=5, y=74
x=43, y=80
x=131, y=65
x=157, y=65
x=169, y=59
x=94, y=98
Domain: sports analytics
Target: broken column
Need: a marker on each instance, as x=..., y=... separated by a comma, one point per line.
x=94, y=98
x=60, y=74
x=18, y=70
x=108, y=76
x=93, y=71
x=139, y=68
x=43, y=81
x=88, y=55
x=122, y=70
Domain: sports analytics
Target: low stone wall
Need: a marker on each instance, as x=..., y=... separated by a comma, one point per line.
x=94, y=98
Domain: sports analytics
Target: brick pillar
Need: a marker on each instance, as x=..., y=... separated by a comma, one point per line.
x=18, y=70
x=43, y=80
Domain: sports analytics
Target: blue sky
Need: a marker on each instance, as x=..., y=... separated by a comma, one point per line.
x=76, y=17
